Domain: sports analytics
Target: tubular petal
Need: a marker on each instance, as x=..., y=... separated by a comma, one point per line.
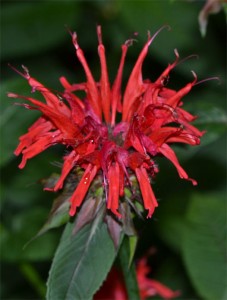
x=82, y=188
x=38, y=129
x=104, y=80
x=92, y=89
x=174, y=100
x=77, y=112
x=135, y=86
x=38, y=146
x=169, y=153
x=149, y=199
x=61, y=121
x=114, y=188
x=167, y=70
x=162, y=290
x=51, y=99
x=116, y=89
x=69, y=162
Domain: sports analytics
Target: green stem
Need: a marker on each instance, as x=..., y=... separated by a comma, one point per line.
x=129, y=272
x=33, y=277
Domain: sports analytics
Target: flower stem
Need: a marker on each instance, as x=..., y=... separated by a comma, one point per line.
x=128, y=270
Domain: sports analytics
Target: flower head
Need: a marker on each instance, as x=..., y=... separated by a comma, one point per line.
x=152, y=118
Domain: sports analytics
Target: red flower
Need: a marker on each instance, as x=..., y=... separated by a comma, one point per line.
x=114, y=287
x=151, y=287
x=95, y=142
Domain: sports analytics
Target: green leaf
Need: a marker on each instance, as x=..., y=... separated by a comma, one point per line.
x=24, y=226
x=30, y=27
x=129, y=272
x=56, y=219
x=133, y=240
x=59, y=213
x=204, y=247
x=81, y=262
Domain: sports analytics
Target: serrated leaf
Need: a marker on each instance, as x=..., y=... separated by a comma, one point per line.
x=81, y=262
x=204, y=247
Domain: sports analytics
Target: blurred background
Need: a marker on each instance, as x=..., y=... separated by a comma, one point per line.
x=187, y=231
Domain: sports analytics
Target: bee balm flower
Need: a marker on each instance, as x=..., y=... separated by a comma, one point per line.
x=88, y=129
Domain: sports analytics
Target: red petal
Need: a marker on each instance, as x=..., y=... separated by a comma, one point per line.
x=169, y=153
x=69, y=162
x=133, y=138
x=104, y=81
x=65, y=83
x=162, y=290
x=135, y=86
x=166, y=72
x=116, y=89
x=166, y=93
x=174, y=100
x=51, y=99
x=114, y=186
x=149, y=199
x=187, y=116
x=38, y=129
x=42, y=143
x=82, y=188
x=77, y=112
x=61, y=121
x=92, y=90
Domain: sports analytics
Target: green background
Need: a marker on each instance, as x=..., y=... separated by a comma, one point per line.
x=188, y=228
